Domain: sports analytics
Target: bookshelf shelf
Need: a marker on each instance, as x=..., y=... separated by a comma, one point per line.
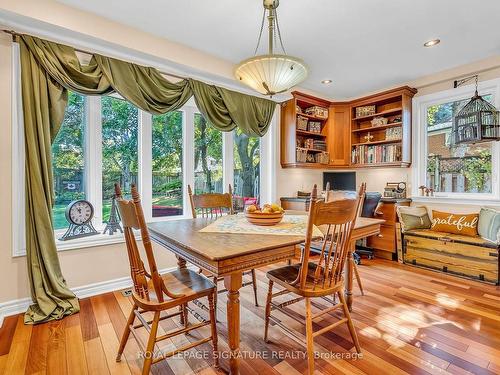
x=384, y=141
x=310, y=150
x=379, y=114
x=310, y=134
x=311, y=117
x=377, y=128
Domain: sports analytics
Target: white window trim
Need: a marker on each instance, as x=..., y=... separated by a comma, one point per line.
x=93, y=176
x=18, y=160
x=420, y=150
x=93, y=155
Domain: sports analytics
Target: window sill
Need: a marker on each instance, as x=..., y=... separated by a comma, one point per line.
x=457, y=200
x=84, y=242
x=96, y=240
x=102, y=239
x=91, y=241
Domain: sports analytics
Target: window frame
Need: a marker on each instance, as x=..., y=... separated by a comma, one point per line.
x=93, y=166
x=420, y=144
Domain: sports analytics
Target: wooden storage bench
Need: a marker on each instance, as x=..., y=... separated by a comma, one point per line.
x=471, y=257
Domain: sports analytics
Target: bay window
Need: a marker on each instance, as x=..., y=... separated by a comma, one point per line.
x=466, y=171
x=106, y=140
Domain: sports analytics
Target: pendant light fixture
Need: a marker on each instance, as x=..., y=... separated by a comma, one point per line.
x=478, y=121
x=272, y=73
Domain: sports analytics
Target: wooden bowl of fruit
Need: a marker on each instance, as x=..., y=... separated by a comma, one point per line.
x=269, y=214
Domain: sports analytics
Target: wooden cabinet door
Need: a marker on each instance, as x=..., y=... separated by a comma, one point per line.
x=339, y=143
x=386, y=240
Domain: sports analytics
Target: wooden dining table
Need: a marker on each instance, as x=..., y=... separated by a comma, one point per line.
x=228, y=255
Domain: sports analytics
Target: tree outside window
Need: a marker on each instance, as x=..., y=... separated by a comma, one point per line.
x=120, y=124
x=246, y=170
x=167, y=151
x=208, y=175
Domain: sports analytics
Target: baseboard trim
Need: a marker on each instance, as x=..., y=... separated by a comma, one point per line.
x=20, y=305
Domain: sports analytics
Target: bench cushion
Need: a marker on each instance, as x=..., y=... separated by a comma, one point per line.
x=489, y=224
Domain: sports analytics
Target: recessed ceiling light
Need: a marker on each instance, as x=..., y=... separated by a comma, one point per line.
x=326, y=81
x=432, y=42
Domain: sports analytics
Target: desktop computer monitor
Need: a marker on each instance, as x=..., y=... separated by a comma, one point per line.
x=340, y=180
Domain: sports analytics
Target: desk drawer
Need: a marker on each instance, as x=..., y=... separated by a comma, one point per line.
x=386, y=240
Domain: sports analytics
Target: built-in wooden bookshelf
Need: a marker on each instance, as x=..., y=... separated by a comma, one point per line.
x=388, y=144
x=352, y=140
x=294, y=140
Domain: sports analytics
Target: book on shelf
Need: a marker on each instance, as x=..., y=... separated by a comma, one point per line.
x=319, y=145
x=365, y=154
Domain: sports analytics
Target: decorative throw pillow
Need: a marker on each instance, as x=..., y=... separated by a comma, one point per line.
x=489, y=224
x=464, y=224
x=415, y=217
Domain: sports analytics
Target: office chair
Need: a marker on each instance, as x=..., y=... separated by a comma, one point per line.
x=368, y=209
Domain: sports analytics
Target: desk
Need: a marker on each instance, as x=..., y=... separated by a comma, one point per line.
x=229, y=255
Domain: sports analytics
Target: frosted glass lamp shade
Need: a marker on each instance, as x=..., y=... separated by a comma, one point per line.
x=271, y=74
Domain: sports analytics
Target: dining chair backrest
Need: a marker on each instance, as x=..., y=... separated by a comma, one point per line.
x=211, y=205
x=339, y=218
x=132, y=216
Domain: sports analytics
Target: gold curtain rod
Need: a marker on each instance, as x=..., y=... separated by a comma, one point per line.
x=14, y=34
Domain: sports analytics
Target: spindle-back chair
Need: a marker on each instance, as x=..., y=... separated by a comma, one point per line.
x=214, y=205
x=325, y=278
x=329, y=197
x=154, y=293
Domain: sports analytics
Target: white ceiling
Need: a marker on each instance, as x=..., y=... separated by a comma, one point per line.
x=362, y=45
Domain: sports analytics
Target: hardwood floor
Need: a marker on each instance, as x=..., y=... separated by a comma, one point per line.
x=410, y=321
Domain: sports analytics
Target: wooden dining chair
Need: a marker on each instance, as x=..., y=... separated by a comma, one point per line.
x=214, y=205
x=309, y=280
x=156, y=294
x=329, y=197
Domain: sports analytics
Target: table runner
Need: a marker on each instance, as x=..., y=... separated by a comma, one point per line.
x=291, y=225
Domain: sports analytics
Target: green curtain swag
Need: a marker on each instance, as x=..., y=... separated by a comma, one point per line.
x=48, y=71
x=148, y=90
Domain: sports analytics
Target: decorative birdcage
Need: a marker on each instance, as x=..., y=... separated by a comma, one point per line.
x=478, y=121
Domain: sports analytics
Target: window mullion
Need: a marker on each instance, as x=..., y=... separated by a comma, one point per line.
x=187, y=155
x=93, y=156
x=495, y=169
x=145, y=145
x=227, y=159
x=268, y=147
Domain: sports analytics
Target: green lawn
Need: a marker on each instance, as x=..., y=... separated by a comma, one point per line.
x=61, y=223
x=58, y=216
x=167, y=201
